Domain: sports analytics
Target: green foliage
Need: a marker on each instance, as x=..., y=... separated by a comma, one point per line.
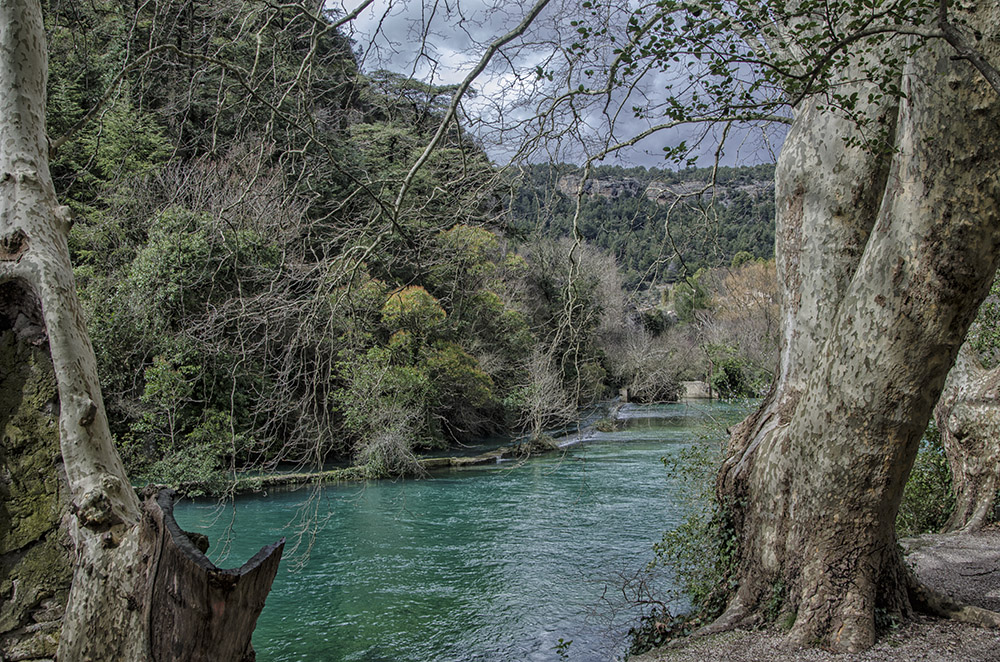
x=701, y=552
x=121, y=144
x=412, y=309
x=733, y=376
x=168, y=387
x=728, y=378
x=740, y=259
x=460, y=381
x=702, y=549
x=174, y=441
x=652, y=240
x=141, y=307
x=690, y=296
x=371, y=378
x=654, y=320
x=197, y=465
x=928, y=498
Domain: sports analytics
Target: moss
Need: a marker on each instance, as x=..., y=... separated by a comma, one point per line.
x=37, y=576
x=35, y=572
x=29, y=454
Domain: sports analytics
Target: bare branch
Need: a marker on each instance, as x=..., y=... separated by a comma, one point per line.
x=965, y=51
x=459, y=93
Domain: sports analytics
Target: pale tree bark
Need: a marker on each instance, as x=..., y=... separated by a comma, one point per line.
x=883, y=259
x=968, y=418
x=117, y=543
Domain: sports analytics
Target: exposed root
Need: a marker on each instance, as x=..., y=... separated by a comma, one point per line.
x=735, y=616
x=936, y=603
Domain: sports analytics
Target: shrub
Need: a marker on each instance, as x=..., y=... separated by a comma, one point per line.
x=928, y=498
x=701, y=552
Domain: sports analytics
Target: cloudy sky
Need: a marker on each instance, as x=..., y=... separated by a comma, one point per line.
x=441, y=41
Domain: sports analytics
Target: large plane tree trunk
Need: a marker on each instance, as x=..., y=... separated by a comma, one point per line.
x=124, y=553
x=883, y=260
x=968, y=418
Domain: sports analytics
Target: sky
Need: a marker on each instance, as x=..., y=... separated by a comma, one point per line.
x=440, y=41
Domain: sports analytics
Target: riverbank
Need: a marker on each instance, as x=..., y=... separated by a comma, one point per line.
x=521, y=450
x=964, y=566
x=293, y=480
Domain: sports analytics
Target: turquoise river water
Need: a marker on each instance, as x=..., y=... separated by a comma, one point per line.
x=495, y=564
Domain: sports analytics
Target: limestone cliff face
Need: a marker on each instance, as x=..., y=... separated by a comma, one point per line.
x=605, y=188
x=662, y=192
x=35, y=571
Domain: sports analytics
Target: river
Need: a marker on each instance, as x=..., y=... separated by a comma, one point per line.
x=495, y=564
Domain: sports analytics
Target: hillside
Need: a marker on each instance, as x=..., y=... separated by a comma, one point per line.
x=259, y=286
x=659, y=225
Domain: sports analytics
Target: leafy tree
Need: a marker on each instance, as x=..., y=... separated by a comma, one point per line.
x=883, y=254
x=691, y=296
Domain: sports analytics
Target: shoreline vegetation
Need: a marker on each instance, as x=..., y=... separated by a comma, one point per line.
x=356, y=473
x=521, y=449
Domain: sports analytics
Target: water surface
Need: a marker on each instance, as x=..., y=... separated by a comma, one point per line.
x=495, y=563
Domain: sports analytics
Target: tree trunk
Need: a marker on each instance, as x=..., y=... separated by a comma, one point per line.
x=968, y=417
x=113, y=544
x=34, y=567
x=883, y=260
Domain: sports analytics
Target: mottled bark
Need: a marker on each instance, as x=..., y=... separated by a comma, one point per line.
x=883, y=260
x=968, y=418
x=107, y=614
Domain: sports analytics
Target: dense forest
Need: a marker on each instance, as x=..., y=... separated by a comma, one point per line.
x=256, y=294
x=661, y=225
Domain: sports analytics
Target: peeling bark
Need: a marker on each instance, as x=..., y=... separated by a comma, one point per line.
x=883, y=261
x=968, y=417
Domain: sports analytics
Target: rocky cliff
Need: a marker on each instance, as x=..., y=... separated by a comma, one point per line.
x=663, y=192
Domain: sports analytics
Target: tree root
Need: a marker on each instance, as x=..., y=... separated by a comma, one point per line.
x=736, y=616
x=923, y=599
x=936, y=603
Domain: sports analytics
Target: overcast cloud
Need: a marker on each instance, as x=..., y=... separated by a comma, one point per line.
x=440, y=42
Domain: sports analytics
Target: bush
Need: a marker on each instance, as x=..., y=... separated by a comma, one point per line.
x=701, y=552
x=198, y=462
x=928, y=498
x=733, y=376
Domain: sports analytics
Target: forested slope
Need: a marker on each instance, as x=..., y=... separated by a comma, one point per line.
x=258, y=291
x=660, y=225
